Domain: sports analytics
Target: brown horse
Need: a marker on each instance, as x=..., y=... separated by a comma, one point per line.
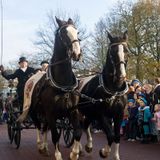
x=104, y=96
x=53, y=96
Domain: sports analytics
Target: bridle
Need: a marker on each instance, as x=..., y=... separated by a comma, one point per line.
x=67, y=45
x=110, y=55
x=101, y=82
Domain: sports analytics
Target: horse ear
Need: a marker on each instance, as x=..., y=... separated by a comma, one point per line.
x=110, y=36
x=70, y=21
x=125, y=35
x=60, y=23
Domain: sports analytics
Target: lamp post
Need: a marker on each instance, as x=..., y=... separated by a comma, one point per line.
x=1, y=30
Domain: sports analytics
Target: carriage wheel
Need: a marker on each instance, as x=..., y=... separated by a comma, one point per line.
x=59, y=127
x=17, y=135
x=10, y=129
x=10, y=123
x=68, y=133
x=10, y=132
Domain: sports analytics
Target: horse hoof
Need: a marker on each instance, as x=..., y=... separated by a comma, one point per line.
x=44, y=152
x=81, y=154
x=71, y=159
x=88, y=149
x=101, y=154
x=47, y=154
x=39, y=144
x=116, y=158
x=74, y=156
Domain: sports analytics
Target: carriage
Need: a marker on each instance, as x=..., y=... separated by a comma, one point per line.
x=57, y=101
x=14, y=128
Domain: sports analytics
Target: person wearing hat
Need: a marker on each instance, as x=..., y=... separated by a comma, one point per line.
x=44, y=65
x=132, y=120
x=144, y=118
x=135, y=83
x=22, y=74
x=29, y=87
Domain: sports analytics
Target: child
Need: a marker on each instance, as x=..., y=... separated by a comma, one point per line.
x=144, y=117
x=124, y=125
x=5, y=115
x=156, y=119
x=132, y=120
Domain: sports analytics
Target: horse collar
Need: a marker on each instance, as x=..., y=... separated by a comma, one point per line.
x=108, y=91
x=60, y=87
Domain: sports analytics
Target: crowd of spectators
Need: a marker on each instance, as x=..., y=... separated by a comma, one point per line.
x=141, y=119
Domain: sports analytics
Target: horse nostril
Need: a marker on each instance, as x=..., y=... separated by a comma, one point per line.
x=79, y=55
x=122, y=78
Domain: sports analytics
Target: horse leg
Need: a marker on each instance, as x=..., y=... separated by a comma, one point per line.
x=89, y=144
x=117, y=123
x=74, y=155
x=55, y=139
x=39, y=142
x=107, y=128
x=116, y=151
x=42, y=144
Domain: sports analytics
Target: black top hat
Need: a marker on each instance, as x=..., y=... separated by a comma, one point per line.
x=44, y=62
x=22, y=59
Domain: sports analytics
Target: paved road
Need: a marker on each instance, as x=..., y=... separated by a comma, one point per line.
x=28, y=151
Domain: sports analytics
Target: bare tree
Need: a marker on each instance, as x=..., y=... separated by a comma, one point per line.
x=142, y=19
x=46, y=34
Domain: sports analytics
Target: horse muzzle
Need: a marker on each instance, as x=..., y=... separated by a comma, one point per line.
x=76, y=57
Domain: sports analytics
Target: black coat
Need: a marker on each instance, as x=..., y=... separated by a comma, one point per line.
x=22, y=78
x=156, y=93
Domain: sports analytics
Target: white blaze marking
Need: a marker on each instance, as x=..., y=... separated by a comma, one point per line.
x=72, y=34
x=121, y=56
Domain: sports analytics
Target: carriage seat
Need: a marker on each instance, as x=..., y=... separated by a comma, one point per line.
x=83, y=81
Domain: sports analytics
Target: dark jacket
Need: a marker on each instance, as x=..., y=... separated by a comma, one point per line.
x=156, y=94
x=22, y=78
x=132, y=113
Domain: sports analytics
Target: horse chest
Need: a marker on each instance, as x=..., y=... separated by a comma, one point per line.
x=65, y=100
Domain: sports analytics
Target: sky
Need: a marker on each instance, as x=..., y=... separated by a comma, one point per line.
x=23, y=18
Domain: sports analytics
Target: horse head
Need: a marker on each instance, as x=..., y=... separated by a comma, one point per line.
x=117, y=57
x=68, y=35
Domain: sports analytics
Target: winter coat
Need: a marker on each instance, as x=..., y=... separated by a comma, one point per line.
x=21, y=76
x=144, y=117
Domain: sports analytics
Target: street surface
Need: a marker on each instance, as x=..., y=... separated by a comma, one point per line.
x=28, y=149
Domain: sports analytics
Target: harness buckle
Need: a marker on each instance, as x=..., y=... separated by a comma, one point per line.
x=66, y=95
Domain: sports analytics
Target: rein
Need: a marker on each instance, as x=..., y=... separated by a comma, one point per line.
x=108, y=100
x=59, y=62
x=49, y=75
x=113, y=94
